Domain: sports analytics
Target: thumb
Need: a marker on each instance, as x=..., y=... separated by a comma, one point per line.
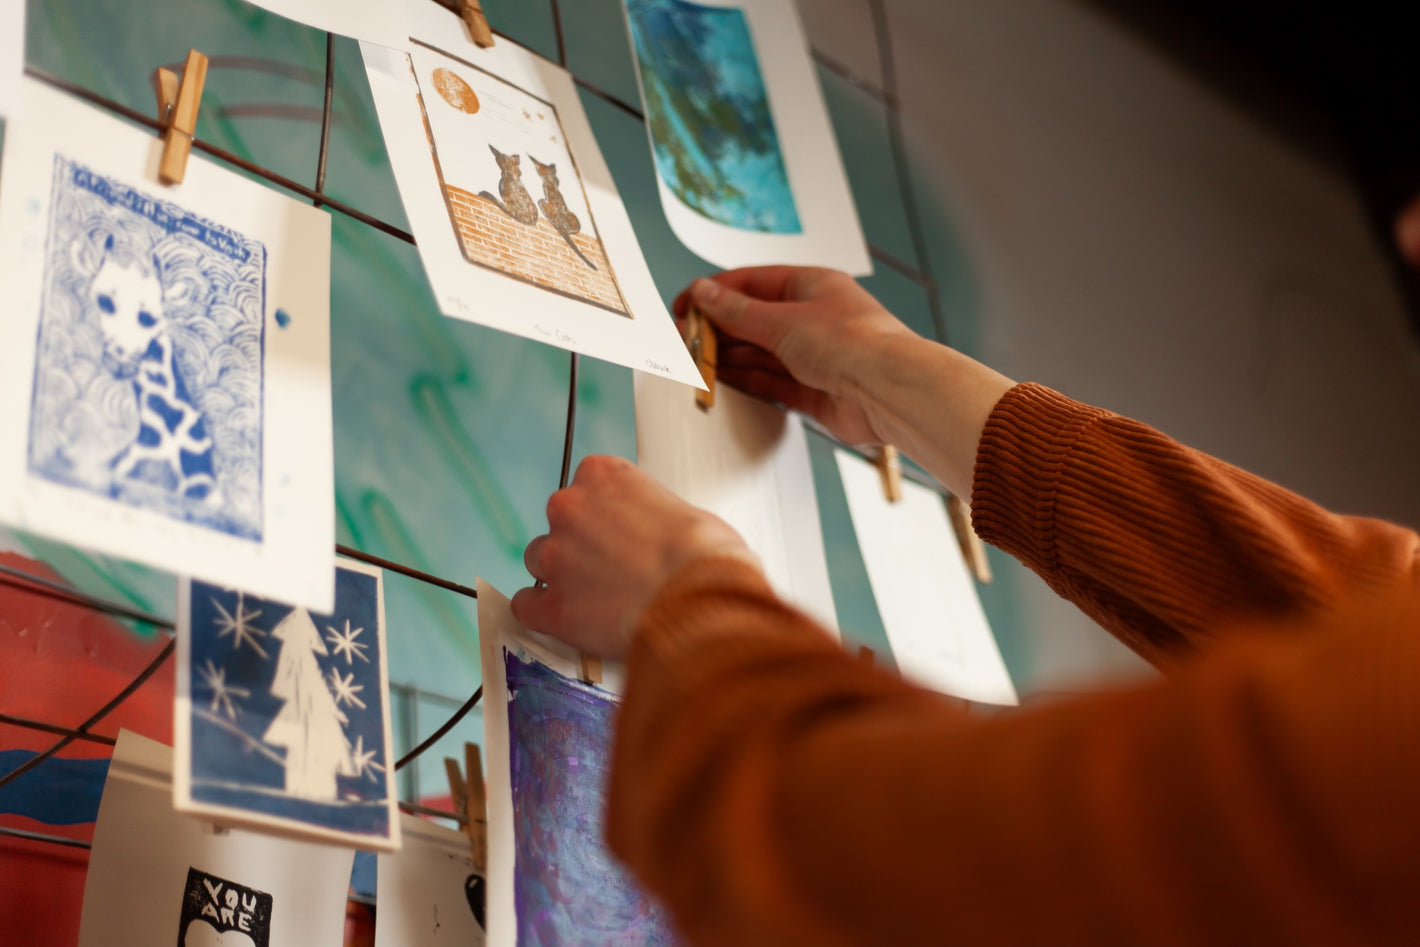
x=756, y=321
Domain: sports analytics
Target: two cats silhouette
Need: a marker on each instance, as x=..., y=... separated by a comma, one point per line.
x=518, y=204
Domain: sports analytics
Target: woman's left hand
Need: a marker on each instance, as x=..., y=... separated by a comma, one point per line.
x=615, y=537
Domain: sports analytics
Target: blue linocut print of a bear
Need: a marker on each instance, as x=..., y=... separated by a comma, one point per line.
x=149, y=367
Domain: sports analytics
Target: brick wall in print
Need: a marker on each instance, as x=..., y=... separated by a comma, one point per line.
x=537, y=254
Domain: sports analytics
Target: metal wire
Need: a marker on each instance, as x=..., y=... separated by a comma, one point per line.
x=888, y=63
x=921, y=274
x=325, y=118
x=102, y=712
x=40, y=725
x=438, y=734
x=42, y=837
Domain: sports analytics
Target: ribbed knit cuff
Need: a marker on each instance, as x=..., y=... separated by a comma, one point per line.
x=1019, y=465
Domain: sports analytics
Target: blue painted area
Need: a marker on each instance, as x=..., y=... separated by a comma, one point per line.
x=287, y=709
x=59, y=791
x=567, y=887
x=148, y=375
x=714, y=137
x=283, y=318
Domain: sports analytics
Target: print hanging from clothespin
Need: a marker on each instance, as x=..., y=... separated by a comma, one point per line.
x=178, y=101
x=701, y=340
x=889, y=464
x=972, y=548
x=479, y=30
x=470, y=798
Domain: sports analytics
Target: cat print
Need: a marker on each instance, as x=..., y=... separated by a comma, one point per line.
x=517, y=203
x=555, y=209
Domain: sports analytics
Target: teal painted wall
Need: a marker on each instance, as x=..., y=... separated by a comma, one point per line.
x=448, y=436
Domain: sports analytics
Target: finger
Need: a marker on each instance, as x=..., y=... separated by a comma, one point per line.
x=744, y=356
x=752, y=320
x=532, y=559
x=538, y=609
x=773, y=283
x=775, y=388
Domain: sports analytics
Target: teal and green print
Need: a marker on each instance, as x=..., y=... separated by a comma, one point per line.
x=711, y=128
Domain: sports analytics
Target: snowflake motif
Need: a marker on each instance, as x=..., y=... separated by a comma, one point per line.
x=215, y=679
x=346, y=644
x=363, y=761
x=345, y=689
x=239, y=626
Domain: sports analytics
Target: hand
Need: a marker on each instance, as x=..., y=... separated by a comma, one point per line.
x=800, y=337
x=615, y=537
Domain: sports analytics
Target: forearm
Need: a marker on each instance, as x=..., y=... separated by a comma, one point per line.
x=1162, y=544
x=771, y=790
x=929, y=401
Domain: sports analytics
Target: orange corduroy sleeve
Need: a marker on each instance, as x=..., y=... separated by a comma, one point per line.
x=775, y=791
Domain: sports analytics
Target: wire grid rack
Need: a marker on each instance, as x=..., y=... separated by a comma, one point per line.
x=884, y=92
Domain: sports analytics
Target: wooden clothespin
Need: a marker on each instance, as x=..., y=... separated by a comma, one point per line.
x=591, y=669
x=889, y=466
x=865, y=655
x=177, y=110
x=478, y=28
x=972, y=548
x=701, y=338
x=471, y=801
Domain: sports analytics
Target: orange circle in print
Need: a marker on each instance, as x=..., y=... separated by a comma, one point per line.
x=455, y=91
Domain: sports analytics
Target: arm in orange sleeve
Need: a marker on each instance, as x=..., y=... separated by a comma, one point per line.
x=1161, y=544
x=772, y=790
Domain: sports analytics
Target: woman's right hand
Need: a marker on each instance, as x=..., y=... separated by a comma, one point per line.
x=800, y=337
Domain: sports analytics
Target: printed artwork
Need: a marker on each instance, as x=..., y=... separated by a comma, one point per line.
x=567, y=886
x=548, y=740
x=748, y=463
x=148, y=374
x=157, y=877
x=430, y=893
x=513, y=191
x=375, y=20
x=518, y=221
x=923, y=588
x=747, y=165
x=165, y=356
x=221, y=913
x=284, y=713
x=712, y=132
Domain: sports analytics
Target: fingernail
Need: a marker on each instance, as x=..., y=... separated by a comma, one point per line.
x=704, y=291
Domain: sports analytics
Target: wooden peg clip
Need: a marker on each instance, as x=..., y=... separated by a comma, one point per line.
x=701, y=338
x=591, y=669
x=178, y=100
x=889, y=466
x=972, y=548
x=866, y=656
x=471, y=801
x=478, y=28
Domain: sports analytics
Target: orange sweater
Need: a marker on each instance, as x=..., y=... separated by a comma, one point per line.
x=773, y=790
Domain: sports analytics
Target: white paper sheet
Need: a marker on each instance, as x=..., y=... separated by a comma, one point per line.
x=283, y=715
x=502, y=245
x=547, y=850
x=925, y=593
x=157, y=877
x=429, y=894
x=373, y=20
x=165, y=358
x=12, y=54
x=748, y=165
x=748, y=463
